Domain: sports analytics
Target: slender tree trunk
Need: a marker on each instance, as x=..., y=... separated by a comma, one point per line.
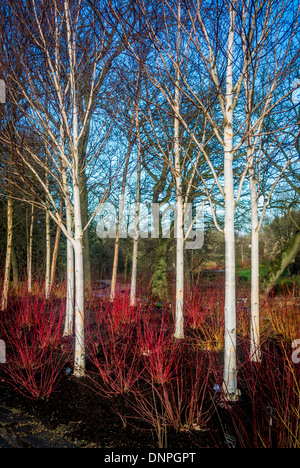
x=48, y=239
x=29, y=249
x=230, y=363
x=134, y=260
x=79, y=358
x=69, y=317
x=179, y=325
x=255, y=337
x=126, y=266
x=121, y=208
x=86, y=242
x=15, y=269
x=8, y=253
x=48, y=255
x=55, y=250
x=79, y=365
x=116, y=252
x=136, y=220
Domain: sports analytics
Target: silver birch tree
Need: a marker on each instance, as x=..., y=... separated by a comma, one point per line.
x=8, y=253
x=63, y=121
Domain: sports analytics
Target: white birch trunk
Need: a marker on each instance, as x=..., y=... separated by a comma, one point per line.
x=230, y=362
x=79, y=363
x=255, y=354
x=179, y=323
x=116, y=251
x=121, y=208
x=8, y=253
x=79, y=358
x=230, y=365
x=69, y=317
x=29, y=251
x=15, y=269
x=136, y=221
x=55, y=250
x=48, y=254
x=134, y=258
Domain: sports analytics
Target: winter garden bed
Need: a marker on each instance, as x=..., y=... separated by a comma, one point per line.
x=142, y=389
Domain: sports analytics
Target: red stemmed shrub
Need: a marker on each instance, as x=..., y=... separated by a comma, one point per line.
x=267, y=414
x=205, y=315
x=112, y=351
x=35, y=354
x=156, y=346
x=182, y=401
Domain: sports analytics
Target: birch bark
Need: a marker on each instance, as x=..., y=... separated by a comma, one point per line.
x=255, y=354
x=136, y=218
x=79, y=363
x=55, y=250
x=179, y=322
x=69, y=318
x=79, y=358
x=29, y=249
x=230, y=364
x=120, y=217
x=8, y=253
x=48, y=243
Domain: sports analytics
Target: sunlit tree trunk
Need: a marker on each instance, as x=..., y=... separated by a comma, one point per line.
x=84, y=214
x=116, y=251
x=136, y=219
x=8, y=253
x=230, y=363
x=120, y=217
x=69, y=317
x=79, y=364
x=48, y=256
x=29, y=248
x=179, y=325
x=255, y=354
x=48, y=244
x=79, y=358
x=15, y=268
x=55, y=250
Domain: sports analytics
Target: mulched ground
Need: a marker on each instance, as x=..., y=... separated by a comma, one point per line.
x=75, y=412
